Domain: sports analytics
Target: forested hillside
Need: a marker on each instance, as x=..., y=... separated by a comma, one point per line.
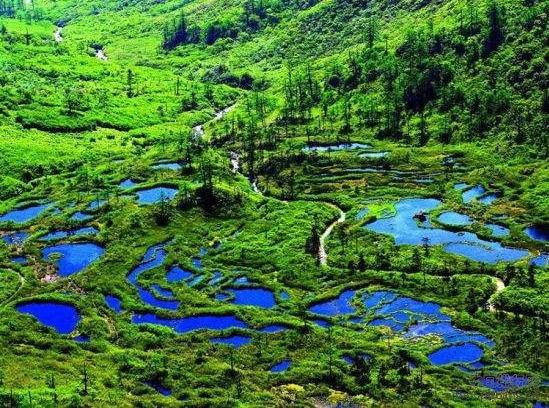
x=274, y=203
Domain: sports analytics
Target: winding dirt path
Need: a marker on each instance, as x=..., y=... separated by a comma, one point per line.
x=57, y=35
x=322, y=255
x=500, y=285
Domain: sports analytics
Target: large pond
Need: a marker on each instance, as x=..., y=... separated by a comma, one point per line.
x=26, y=214
x=60, y=316
x=410, y=318
x=74, y=257
x=406, y=231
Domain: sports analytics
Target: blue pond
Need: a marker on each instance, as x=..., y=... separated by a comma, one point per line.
x=253, y=297
x=540, y=261
x=19, y=259
x=167, y=166
x=504, y=382
x=114, y=303
x=282, y=366
x=153, y=258
x=26, y=214
x=196, y=280
x=191, y=323
x=284, y=295
x=488, y=198
x=460, y=186
x=538, y=232
x=221, y=296
x=454, y=218
x=81, y=216
x=56, y=235
x=81, y=338
x=127, y=183
x=321, y=322
x=373, y=155
x=498, y=230
x=472, y=193
x=337, y=306
x=165, y=293
x=216, y=278
x=162, y=390
x=462, y=353
x=448, y=332
x=336, y=147
x=176, y=274
x=16, y=238
x=360, y=215
x=155, y=195
x=74, y=257
x=62, y=317
x=405, y=230
x=235, y=341
x=95, y=205
x=197, y=263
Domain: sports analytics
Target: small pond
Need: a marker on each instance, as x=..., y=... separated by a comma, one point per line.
x=336, y=147
x=177, y=274
x=25, y=214
x=74, y=257
x=282, y=366
x=373, y=155
x=337, y=306
x=498, y=230
x=127, y=183
x=191, y=323
x=538, y=232
x=15, y=238
x=253, y=297
x=114, y=303
x=167, y=166
x=155, y=195
x=454, y=218
x=81, y=216
x=235, y=341
x=56, y=235
x=60, y=316
x=472, y=193
x=461, y=353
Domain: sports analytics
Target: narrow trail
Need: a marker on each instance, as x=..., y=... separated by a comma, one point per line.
x=500, y=285
x=14, y=295
x=322, y=255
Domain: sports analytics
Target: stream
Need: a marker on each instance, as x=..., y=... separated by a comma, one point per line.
x=57, y=35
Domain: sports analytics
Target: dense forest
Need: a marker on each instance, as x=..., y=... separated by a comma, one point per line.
x=256, y=203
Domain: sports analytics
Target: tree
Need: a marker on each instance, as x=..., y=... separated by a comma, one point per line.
x=495, y=33
x=175, y=35
x=532, y=275
x=129, y=87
